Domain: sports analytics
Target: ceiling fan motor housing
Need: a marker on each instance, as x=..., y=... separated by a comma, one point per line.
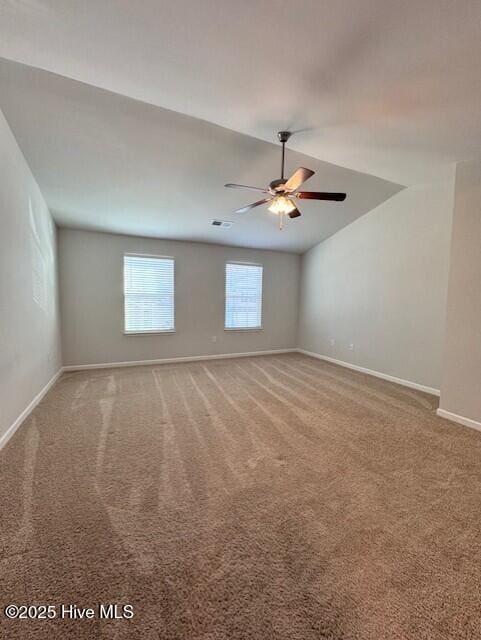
x=276, y=184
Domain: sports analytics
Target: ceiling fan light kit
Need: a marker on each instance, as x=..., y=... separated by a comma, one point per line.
x=281, y=204
x=281, y=192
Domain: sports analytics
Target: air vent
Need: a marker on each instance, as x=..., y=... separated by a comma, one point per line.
x=225, y=224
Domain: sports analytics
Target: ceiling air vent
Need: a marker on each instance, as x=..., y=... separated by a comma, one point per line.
x=225, y=224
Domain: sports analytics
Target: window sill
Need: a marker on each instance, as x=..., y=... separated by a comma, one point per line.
x=148, y=333
x=243, y=328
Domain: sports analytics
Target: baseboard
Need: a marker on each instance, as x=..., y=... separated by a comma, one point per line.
x=454, y=417
x=140, y=363
x=26, y=412
x=371, y=372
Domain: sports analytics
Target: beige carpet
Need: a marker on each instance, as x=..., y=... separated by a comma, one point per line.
x=261, y=498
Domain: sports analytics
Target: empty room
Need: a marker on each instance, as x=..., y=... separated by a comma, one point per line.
x=240, y=328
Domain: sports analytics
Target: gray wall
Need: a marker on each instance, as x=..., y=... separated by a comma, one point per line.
x=91, y=299
x=461, y=385
x=29, y=322
x=381, y=285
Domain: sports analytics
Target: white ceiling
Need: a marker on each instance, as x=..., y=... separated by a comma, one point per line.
x=387, y=87
x=107, y=162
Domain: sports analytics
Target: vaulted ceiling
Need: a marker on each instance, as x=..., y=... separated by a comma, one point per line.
x=110, y=163
x=380, y=87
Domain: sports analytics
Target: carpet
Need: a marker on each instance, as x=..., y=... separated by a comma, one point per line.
x=275, y=497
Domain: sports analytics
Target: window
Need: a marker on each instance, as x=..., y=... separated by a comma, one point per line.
x=148, y=294
x=243, y=296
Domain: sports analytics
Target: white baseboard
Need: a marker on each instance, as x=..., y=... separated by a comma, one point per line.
x=454, y=417
x=140, y=363
x=371, y=372
x=26, y=412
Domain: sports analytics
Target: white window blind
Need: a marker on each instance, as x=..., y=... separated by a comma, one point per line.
x=148, y=294
x=243, y=296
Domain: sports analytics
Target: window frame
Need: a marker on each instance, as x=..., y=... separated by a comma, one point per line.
x=249, y=264
x=148, y=332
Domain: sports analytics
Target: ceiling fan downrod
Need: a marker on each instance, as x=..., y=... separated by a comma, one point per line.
x=283, y=137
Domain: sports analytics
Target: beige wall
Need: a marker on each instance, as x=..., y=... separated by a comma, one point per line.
x=29, y=321
x=461, y=385
x=91, y=299
x=380, y=284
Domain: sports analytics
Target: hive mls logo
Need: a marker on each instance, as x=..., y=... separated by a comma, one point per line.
x=116, y=611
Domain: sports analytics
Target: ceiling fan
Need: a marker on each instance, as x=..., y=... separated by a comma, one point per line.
x=280, y=194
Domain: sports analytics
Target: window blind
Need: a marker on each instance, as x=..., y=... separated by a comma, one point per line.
x=148, y=294
x=243, y=296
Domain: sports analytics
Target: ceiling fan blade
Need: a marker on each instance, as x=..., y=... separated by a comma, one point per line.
x=244, y=186
x=295, y=213
x=298, y=177
x=251, y=206
x=321, y=195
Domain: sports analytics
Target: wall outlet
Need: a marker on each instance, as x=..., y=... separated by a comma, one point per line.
x=351, y=346
x=332, y=342
x=214, y=339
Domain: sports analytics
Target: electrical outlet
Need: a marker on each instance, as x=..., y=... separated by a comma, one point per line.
x=351, y=346
x=214, y=339
x=332, y=342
